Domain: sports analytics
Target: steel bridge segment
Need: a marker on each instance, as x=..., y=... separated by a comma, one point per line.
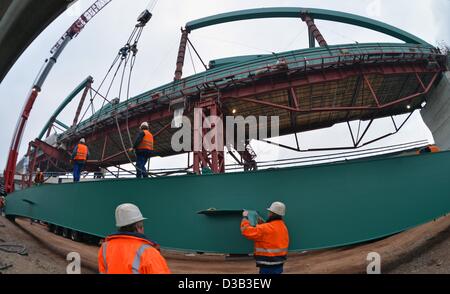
x=375, y=58
x=296, y=12
x=311, y=57
x=314, y=56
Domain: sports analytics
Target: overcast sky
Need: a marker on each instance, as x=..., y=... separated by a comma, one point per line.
x=92, y=52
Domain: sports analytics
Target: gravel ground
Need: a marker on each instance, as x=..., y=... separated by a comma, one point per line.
x=432, y=260
x=39, y=260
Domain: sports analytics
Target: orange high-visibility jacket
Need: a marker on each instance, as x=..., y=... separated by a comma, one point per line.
x=82, y=153
x=39, y=179
x=429, y=149
x=147, y=142
x=271, y=241
x=130, y=254
x=434, y=149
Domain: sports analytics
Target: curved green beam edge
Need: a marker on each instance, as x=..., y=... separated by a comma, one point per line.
x=295, y=12
x=64, y=104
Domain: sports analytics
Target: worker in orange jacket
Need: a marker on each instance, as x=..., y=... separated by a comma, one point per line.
x=2, y=199
x=429, y=149
x=79, y=157
x=39, y=178
x=2, y=205
x=129, y=251
x=271, y=239
x=144, y=148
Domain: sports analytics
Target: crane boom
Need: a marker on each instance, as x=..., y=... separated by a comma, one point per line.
x=56, y=51
x=81, y=22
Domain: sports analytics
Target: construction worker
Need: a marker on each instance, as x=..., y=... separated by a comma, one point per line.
x=271, y=239
x=2, y=199
x=144, y=148
x=2, y=205
x=2, y=189
x=39, y=178
x=100, y=173
x=248, y=158
x=129, y=251
x=429, y=149
x=79, y=157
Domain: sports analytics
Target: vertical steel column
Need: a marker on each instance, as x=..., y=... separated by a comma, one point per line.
x=203, y=158
x=104, y=148
x=25, y=180
x=312, y=40
x=49, y=131
x=313, y=30
x=181, y=54
x=198, y=141
x=32, y=166
x=80, y=106
x=217, y=154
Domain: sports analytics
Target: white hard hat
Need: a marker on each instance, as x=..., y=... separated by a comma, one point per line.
x=144, y=125
x=38, y=169
x=278, y=208
x=128, y=214
x=83, y=140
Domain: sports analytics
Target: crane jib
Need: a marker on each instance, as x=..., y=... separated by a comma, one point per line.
x=81, y=22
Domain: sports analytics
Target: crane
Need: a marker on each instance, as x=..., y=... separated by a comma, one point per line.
x=55, y=52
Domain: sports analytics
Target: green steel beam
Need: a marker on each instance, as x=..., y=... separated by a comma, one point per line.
x=233, y=60
x=64, y=104
x=328, y=206
x=61, y=124
x=295, y=12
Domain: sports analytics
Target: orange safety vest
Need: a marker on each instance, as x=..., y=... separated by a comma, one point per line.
x=430, y=149
x=82, y=153
x=128, y=254
x=271, y=241
x=434, y=149
x=147, y=142
x=39, y=178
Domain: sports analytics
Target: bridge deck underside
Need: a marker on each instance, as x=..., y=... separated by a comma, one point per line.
x=316, y=88
x=347, y=92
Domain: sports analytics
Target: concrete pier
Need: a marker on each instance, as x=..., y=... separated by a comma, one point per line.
x=436, y=113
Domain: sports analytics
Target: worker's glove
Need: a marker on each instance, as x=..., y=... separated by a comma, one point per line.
x=130, y=150
x=245, y=213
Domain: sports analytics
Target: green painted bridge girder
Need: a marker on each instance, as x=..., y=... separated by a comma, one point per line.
x=328, y=206
x=61, y=124
x=63, y=105
x=296, y=12
x=238, y=70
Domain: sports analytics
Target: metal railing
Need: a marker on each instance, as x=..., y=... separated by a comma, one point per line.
x=331, y=158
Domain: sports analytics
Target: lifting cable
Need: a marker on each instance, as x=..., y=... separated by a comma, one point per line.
x=198, y=55
x=192, y=60
x=126, y=58
x=123, y=52
x=129, y=53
